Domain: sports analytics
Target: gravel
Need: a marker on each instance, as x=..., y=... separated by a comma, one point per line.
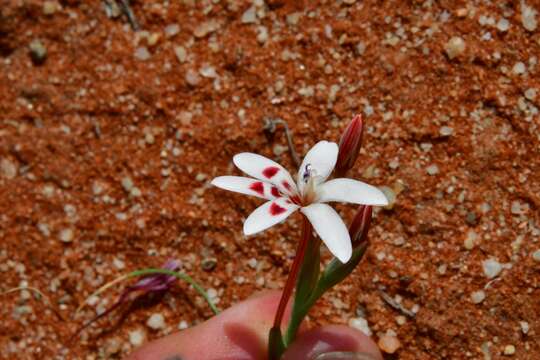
x=491, y=268
x=519, y=68
x=528, y=17
x=66, y=235
x=156, y=321
x=361, y=324
x=478, y=296
x=432, y=169
x=454, y=47
x=8, y=169
x=172, y=30
x=536, y=255
x=136, y=337
x=389, y=343
x=38, y=51
x=142, y=53
x=180, y=53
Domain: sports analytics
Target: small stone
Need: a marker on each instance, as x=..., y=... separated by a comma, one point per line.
x=142, y=53
x=509, y=350
x=127, y=183
x=292, y=19
x=471, y=218
x=524, y=327
x=503, y=25
x=470, y=240
x=491, y=267
x=8, y=168
x=478, y=296
x=136, y=337
x=401, y=320
x=206, y=28
x=50, y=7
x=454, y=47
x=192, y=78
x=519, y=68
x=172, y=30
x=530, y=94
x=390, y=196
x=208, y=71
x=113, y=346
x=156, y=321
x=528, y=17
x=515, y=208
x=180, y=53
x=183, y=325
x=249, y=16
x=393, y=164
x=66, y=235
x=208, y=264
x=262, y=34
x=38, y=52
x=432, y=169
x=446, y=131
x=389, y=344
x=279, y=149
x=361, y=324
x=536, y=255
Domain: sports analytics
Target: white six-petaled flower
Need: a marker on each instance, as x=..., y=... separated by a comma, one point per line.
x=309, y=194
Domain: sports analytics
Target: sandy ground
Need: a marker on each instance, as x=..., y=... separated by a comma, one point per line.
x=109, y=138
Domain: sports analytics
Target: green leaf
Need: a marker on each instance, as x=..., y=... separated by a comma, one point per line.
x=336, y=271
x=276, y=347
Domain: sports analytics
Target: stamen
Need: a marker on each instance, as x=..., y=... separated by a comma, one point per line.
x=307, y=173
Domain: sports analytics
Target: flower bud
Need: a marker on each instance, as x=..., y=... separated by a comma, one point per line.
x=360, y=225
x=349, y=146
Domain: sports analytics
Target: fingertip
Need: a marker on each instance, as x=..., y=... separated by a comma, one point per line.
x=331, y=338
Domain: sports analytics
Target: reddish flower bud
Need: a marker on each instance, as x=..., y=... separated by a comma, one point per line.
x=349, y=146
x=360, y=225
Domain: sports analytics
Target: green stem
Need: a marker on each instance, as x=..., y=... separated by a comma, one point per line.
x=180, y=276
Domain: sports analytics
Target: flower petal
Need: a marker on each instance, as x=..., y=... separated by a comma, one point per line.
x=265, y=169
x=351, y=191
x=331, y=229
x=247, y=186
x=268, y=214
x=320, y=160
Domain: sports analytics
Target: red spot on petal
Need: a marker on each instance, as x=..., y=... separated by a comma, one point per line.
x=258, y=187
x=275, y=191
x=275, y=209
x=270, y=171
x=286, y=185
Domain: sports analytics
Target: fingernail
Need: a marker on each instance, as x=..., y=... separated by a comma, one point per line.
x=343, y=355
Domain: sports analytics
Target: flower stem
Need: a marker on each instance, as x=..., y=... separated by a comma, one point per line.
x=291, y=280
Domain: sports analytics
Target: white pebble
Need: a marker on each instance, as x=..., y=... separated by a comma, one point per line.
x=136, y=337
x=8, y=168
x=183, y=325
x=454, y=47
x=66, y=235
x=446, y=131
x=530, y=94
x=519, y=68
x=249, y=16
x=478, y=296
x=142, y=53
x=536, y=255
x=180, y=53
x=361, y=324
x=528, y=17
x=524, y=327
x=171, y=30
x=503, y=25
x=432, y=169
x=156, y=321
x=491, y=267
x=509, y=350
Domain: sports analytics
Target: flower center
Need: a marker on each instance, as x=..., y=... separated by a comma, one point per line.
x=309, y=193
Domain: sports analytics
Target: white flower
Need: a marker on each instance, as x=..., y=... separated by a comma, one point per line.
x=309, y=194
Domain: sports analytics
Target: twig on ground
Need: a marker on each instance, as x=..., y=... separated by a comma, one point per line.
x=270, y=127
x=126, y=9
x=394, y=304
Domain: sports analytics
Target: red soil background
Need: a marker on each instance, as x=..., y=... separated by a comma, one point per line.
x=93, y=114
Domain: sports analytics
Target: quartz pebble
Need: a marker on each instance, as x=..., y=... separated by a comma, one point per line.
x=142, y=53
x=432, y=169
x=454, y=47
x=361, y=324
x=180, y=53
x=519, y=68
x=478, y=296
x=50, y=7
x=8, y=168
x=172, y=30
x=491, y=267
x=389, y=344
x=38, y=51
x=509, y=350
x=156, y=321
x=66, y=235
x=528, y=17
x=536, y=255
x=446, y=131
x=136, y=337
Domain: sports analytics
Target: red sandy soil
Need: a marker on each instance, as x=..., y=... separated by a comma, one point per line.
x=456, y=139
